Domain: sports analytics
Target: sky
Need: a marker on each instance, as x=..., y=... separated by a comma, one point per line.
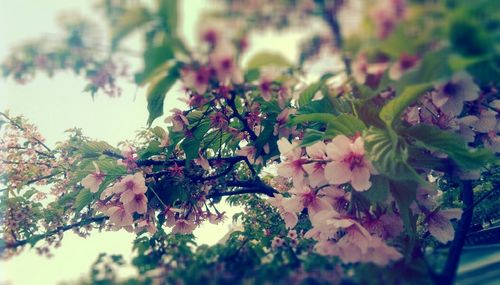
x=57, y=104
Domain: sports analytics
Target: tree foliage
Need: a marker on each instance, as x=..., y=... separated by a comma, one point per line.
x=345, y=177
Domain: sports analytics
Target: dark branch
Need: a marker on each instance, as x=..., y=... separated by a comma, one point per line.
x=236, y=114
x=248, y=187
x=447, y=276
x=330, y=9
x=57, y=230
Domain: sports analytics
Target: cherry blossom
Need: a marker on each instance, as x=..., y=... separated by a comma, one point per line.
x=289, y=217
x=197, y=79
x=183, y=226
x=223, y=62
x=293, y=165
x=439, y=224
x=178, y=120
x=348, y=163
x=132, y=183
x=316, y=169
x=119, y=216
x=305, y=198
x=133, y=202
x=93, y=180
x=451, y=95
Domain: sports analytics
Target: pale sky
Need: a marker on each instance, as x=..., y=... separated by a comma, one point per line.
x=58, y=103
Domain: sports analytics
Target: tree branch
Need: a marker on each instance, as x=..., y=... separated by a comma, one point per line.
x=249, y=187
x=246, y=127
x=36, y=238
x=447, y=276
x=21, y=128
x=330, y=16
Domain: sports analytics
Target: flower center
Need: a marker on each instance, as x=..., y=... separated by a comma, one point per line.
x=450, y=88
x=355, y=160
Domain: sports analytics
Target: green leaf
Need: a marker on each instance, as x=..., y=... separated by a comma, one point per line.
x=395, y=107
x=156, y=93
x=315, y=117
x=344, y=124
x=389, y=155
x=308, y=94
x=168, y=13
x=132, y=19
x=156, y=62
x=458, y=63
x=106, y=165
x=152, y=149
x=452, y=144
x=95, y=148
x=312, y=136
x=159, y=132
x=434, y=67
x=267, y=59
x=404, y=192
x=191, y=144
x=84, y=198
x=379, y=191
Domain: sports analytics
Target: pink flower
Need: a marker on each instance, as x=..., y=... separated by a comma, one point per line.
x=348, y=163
x=108, y=192
x=211, y=34
x=134, y=203
x=119, y=217
x=129, y=155
x=250, y=152
x=439, y=225
x=266, y=84
x=225, y=66
x=198, y=79
x=277, y=242
x=305, y=198
x=165, y=140
x=93, y=180
x=386, y=226
x=316, y=170
x=292, y=166
x=487, y=122
x=380, y=253
x=178, y=120
x=337, y=197
x=216, y=218
x=203, y=162
x=281, y=129
x=290, y=218
x=134, y=183
x=451, y=95
x=183, y=226
x=405, y=63
x=146, y=225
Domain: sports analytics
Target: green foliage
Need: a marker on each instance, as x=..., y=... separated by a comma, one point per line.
x=157, y=90
x=395, y=107
x=468, y=38
x=404, y=192
x=308, y=94
x=379, y=192
x=264, y=59
x=389, y=155
x=132, y=19
x=450, y=143
x=83, y=199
